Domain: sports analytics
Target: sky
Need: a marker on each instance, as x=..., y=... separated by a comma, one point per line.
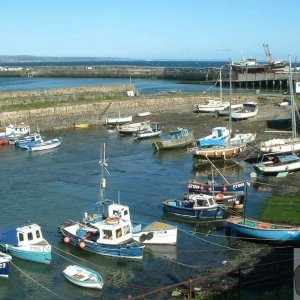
x=151, y=29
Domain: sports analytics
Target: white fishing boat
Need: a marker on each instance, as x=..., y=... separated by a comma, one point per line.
x=242, y=138
x=46, y=145
x=249, y=110
x=279, y=164
x=132, y=127
x=226, y=111
x=213, y=105
x=83, y=277
x=17, y=130
x=155, y=233
x=118, y=120
x=154, y=129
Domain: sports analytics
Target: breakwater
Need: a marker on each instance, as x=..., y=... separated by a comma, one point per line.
x=199, y=74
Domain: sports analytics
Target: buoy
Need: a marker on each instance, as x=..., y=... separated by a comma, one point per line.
x=81, y=245
x=209, y=189
x=66, y=239
x=224, y=189
x=220, y=196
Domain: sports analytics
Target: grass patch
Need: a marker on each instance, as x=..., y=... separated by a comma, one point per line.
x=285, y=210
x=56, y=103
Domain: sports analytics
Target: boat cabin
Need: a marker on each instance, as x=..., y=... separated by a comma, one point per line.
x=179, y=133
x=29, y=235
x=18, y=130
x=111, y=209
x=201, y=201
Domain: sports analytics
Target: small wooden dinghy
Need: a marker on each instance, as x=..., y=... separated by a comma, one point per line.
x=83, y=277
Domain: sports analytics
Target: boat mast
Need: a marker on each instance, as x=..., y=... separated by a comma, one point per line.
x=230, y=98
x=103, y=164
x=292, y=103
x=221, y=91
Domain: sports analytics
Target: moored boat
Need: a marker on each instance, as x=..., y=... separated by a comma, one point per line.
x=154, y=129
x=175, y=139
x=106, y=230
x=4, y=264
x=46, y=145
x=118, y=120
x=196, y=206
x=278, y=165
x=218, y=151
x=263, y=230
x=132, y=127
x=249, y=110
x=26, y=242
x=29, y=140
x=155, y=233
x=83, y=277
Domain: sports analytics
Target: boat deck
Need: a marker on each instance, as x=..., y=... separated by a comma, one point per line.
x=158, y=226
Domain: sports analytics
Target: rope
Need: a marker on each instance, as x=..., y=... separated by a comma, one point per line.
x=39, y=284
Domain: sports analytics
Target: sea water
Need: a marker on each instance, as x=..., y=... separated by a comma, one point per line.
x=53, y=186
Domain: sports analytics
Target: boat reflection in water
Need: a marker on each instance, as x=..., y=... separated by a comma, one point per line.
x=227, y=168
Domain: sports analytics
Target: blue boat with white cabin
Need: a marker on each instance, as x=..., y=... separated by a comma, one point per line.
x=197, y=206
x=25, y=242
x=107, y=230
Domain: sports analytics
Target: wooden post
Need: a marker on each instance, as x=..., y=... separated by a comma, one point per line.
x=190, y=289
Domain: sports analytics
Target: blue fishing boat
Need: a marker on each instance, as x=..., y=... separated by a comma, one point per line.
x=198, y=206
x=30, y=140
x=83, y=277
x=109, y=234
x=4, y=265
x=25, y=242
x=263, y=230
x=178, y=138
x=107, y=231
x=196, y=186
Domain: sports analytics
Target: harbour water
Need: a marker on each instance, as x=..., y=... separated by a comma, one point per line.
x=53, y=186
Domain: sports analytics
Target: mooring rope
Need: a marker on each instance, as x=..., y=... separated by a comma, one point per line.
x=36, y=282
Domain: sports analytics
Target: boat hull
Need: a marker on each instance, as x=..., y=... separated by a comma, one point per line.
x=176, y=208
x=255, y=229
x=126, y=250
x=218, y=152
x=156, y=233
x=31, y=255
x=4, y=265
x=174, y=144
x=83, y=277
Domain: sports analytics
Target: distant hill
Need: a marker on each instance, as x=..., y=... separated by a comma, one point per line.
x=31, y=58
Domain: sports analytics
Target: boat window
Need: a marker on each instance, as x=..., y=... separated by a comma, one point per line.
x=211, y=201
x=119, y=232
x=38, y=234
x=125, y=212
x=126, y=229
x=21, y=237
x=202, y=202
x=30, y=236
x=107, y=234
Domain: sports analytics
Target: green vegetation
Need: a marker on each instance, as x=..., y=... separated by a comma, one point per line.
x=56, y=103
x=285, y=210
